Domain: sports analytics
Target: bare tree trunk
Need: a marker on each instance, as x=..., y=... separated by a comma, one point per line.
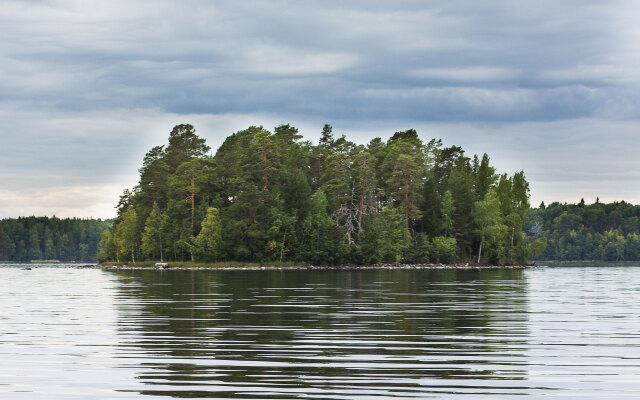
x=480, y=250
x=360, y=208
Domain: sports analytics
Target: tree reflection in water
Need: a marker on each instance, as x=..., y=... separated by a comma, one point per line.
x=325, y=334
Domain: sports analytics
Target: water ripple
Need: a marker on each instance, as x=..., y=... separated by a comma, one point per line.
x=91, y=334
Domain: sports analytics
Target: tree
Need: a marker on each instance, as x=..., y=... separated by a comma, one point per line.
x=365, y=176
x=513, y=195
x=486, y=215
x=108, y=247
x=283, y=225
x=7, y=247
x=336, y=179
x=286, y=134
x=154, y=231
x=406, y=167
x=34, y=244
x=485, y=177
x=209, y=240
x=154, y=175
x=184, y=145
x=442, y=247
x=319, y=243
x=49, y=246
x=127, y=233
x=460, y=183
x=187, y=183
x=326, y=136
x=447, y=208
x=280, y=198
x=538, y=246
x=261, y=159
x=388, y=237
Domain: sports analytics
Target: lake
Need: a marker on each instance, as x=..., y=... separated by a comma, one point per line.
x=371, y=334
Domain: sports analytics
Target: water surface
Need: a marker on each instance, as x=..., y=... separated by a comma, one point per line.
x=373, y=334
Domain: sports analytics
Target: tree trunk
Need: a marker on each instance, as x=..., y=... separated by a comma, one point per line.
x=133, y=256
x=193, y=203
x=480, y=250
x=264, y=170
x=360, y=208
x=406, y=202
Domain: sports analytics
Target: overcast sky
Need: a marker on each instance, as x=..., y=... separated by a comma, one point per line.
x=87, y=88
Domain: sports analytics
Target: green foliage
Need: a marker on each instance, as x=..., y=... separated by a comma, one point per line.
x=108, y=247
x=388, y=237
x=406, y=168
x=153, y=242
x=37, y=238
x=271, y=197
x=598, y=231
x=447, y=208
x=442, y=249
x=184, y=145
x=488, y=221
x=127, y=234
x=209, y=240
x=420, y=250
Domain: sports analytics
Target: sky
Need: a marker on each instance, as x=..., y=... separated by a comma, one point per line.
x=87, y=88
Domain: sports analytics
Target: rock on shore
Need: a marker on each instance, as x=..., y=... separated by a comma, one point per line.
x=162, y=266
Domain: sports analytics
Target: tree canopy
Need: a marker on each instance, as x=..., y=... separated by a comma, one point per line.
x=598, y=231
x=45, y=238
x=272, y=196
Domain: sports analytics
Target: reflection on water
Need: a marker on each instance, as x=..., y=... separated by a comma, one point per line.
x=90, y=334
x=327, y=334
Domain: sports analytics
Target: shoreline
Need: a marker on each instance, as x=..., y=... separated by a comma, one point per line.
x=314, y=267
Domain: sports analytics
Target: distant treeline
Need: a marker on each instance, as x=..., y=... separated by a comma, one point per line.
x=609, y=232
x=43, y=238
x=270, y=196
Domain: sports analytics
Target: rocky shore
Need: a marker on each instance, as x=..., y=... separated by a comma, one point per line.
x=177, y=266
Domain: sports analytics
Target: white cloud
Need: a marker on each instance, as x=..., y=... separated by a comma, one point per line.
x=83, y=201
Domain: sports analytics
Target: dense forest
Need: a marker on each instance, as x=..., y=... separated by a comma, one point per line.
x=43, y=238
x=608, y=232
x=270, y=197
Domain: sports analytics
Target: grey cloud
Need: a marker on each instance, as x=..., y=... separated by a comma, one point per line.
x=199, y=56
x=87, y=88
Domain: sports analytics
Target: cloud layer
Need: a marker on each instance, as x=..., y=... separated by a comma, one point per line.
x=87, y=88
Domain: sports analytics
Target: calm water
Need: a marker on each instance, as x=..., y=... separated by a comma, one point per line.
x=88, y=334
